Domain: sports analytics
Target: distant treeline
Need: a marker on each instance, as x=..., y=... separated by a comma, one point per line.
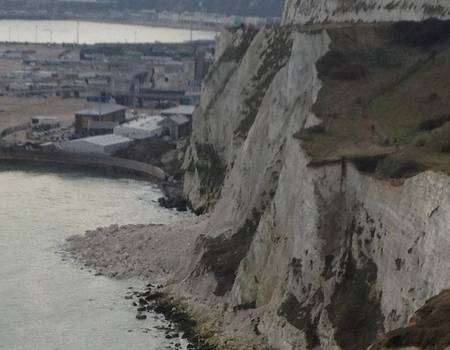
x=173, y=50
x=261, y=8
x=34, y=8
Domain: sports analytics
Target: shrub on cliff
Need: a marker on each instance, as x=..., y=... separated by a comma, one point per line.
x=210, y=169
x=422, y=34
x=341, y=66
x=433, y=123
x=236, y=52
x=398, y=168
x=428, y=329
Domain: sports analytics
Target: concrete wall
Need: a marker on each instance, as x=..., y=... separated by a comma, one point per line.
x=137, y=133
x=92, y=161
x=85, y=146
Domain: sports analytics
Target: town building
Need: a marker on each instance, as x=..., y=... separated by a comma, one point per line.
x=184, y=110
x=177, y=126
x=44, y=123
x=99, y=120
x=143, y=128
x=103, y=144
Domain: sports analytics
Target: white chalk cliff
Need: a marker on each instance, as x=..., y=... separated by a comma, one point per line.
x=333, y=257
x=329, y=11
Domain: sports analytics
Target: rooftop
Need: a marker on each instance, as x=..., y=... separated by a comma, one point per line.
x=102, y=109
x=179, y=119
x=44, y=117
x=182, y=109
x=106, y=140
x=148, y=123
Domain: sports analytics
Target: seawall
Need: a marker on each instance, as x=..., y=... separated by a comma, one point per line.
x=92, y=161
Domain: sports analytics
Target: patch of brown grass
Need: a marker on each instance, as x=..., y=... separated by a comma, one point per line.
x=380, y=111
x=19, y=110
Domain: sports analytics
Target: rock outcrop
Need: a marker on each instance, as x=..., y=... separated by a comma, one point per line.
x=321, y=153
x=329, y=255
x=326, y=11
x=428, y=328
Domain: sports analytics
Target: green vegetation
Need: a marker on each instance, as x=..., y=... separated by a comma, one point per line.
x=385, y=98
x=237, y=52
x=397, y=167
x=136, y=51
x=231, y=7
x=300, y=316
x=425, y=34
x=273, y=59
x=223, y=254
x=355, y=309
x=210, y=169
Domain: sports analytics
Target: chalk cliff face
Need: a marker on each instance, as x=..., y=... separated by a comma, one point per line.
x=331, y=256
x=322, y=11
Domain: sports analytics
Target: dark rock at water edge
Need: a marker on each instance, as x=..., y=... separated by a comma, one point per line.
x=181, y=321
x=179, y=204
x=174, y=198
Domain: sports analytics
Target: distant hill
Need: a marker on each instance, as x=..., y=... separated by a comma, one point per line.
x=266, y=8
x=260, y=8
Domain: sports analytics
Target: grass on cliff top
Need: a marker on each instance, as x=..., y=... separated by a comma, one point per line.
x=428, y=329
x=385, y=92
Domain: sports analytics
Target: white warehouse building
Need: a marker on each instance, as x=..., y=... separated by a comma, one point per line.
x=103, y=144
x=144, y=128
x=45, y=121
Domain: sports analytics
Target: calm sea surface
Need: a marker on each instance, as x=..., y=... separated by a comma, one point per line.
x=93, y=32
x=49, y=304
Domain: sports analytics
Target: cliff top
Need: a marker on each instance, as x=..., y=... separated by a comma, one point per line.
x=385, y=101
x=332, y=11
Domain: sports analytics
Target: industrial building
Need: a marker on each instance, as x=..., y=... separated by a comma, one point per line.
x=103, y=144
x=177, y=126
x=144, y=128
x=44, y=123
x=99, y=120
x=178, y=121
x=184, y=110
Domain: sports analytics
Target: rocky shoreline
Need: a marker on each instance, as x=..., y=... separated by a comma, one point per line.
x=154, y=252
x=295, y=256
x=158, y=256
x=164, y=255
x=173, y=196
x=181, y=324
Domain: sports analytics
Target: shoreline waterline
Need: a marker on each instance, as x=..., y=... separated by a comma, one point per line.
x=106, y=164
x=52, y=303
x=88, y=32
x=155, y=24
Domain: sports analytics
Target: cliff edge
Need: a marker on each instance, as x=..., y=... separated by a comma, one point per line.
x=322, y=154
x=320, y=151
x=338, y=11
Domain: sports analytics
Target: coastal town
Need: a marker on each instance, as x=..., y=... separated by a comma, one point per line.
x=100, y=99
x=110, y=137
x=118, y=107
x=118, y=92
x=110, y=11
x=224, y=175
